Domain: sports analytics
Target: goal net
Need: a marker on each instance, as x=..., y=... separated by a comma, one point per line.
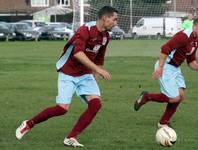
x=130, y=11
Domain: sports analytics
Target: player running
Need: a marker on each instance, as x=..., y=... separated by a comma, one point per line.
x=183, y=45
x=81, y=61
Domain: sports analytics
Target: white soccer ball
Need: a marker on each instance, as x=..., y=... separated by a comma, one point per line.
x=166, y=136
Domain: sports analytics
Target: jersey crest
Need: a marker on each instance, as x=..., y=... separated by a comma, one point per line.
x=95, y=49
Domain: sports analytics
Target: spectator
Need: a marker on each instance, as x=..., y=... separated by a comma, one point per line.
x=187, y=23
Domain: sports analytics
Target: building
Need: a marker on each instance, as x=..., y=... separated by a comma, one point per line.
x=16, y=10
x=182, y=6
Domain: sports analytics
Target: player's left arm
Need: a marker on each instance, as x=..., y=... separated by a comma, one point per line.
x=191, y=60
x=193, y=65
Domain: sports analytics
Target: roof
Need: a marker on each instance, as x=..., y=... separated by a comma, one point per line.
x=54, y=10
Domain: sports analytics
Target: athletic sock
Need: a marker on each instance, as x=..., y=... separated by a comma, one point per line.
x=160, y=97
x=46, y=114
x=86, y=117
x=169, y=112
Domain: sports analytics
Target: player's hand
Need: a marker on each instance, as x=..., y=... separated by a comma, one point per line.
x=157, y=73
x=103, y=73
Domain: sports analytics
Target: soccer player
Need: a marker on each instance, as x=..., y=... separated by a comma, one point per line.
x=182, y=46
x=79, y=66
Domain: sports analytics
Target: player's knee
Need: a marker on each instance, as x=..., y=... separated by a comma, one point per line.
x=95, y=105
x=98, y=105
x=63, y=108
x=182, y=97
x=177, y=99
x=181, y=94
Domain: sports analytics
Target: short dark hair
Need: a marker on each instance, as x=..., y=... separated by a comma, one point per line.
x=195, y=20
x=106, y=10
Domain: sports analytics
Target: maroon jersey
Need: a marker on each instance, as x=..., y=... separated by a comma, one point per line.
x=88, y=40
x=183, y=45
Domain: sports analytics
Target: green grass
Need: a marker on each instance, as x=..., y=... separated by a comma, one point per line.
x=28, y=84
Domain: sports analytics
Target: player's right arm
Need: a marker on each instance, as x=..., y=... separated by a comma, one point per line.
x=80, y=42
x=81, y=57
x=159, y=70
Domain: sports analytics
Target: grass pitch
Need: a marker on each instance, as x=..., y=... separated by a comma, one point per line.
x=28, y=83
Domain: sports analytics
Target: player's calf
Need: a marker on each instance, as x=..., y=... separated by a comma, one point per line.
x=177, y=99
